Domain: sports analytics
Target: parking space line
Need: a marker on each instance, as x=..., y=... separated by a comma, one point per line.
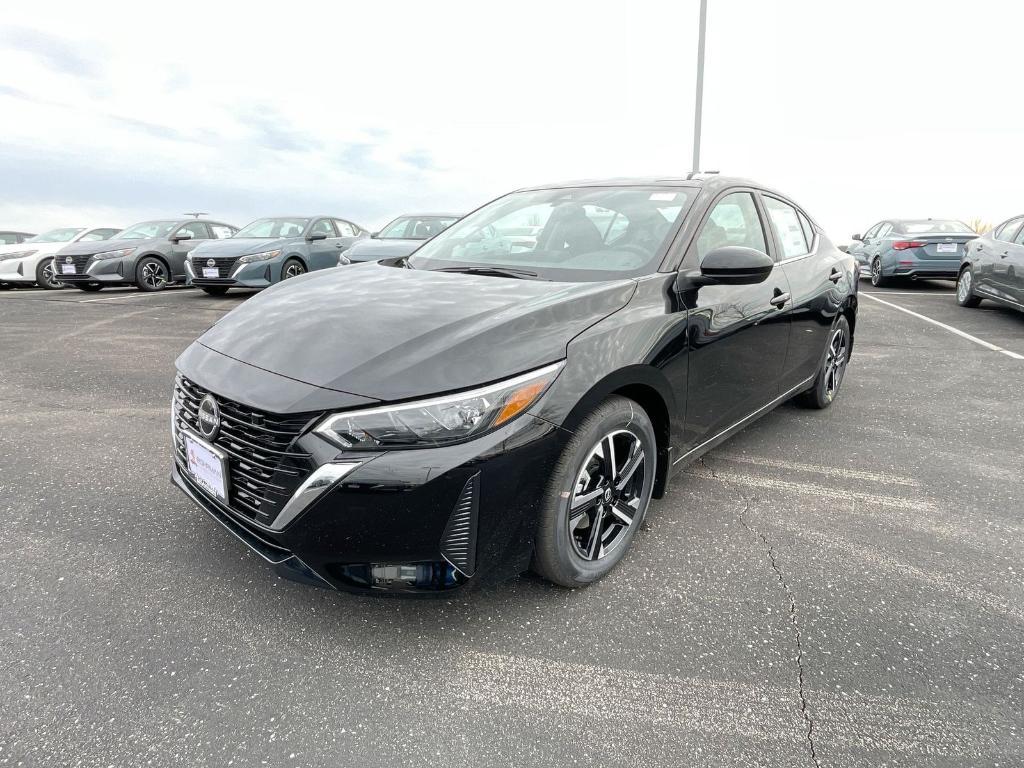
x=908, y=293
x=950, y=328
x=138, y=295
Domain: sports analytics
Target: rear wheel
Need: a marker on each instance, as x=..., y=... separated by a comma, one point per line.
x=90, y=287
x=877, y=278
x=965, y=295
x=46, y=276
x=597, y=496
x=292, y=268
x=833, y=366
x=214, y=290
x=151, y=274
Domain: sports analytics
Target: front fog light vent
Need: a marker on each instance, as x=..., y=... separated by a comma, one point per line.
x=458, y=544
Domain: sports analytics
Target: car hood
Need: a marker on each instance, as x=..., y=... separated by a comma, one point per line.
x=240, y=246
x=390, y=334
x=99, y=246
x=369, y=249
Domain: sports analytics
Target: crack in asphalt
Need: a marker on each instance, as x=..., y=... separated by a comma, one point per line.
x=805, y=709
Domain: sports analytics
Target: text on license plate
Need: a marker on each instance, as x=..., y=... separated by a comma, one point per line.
x=67, y=269
x=211, y=272
x=206, y=467
x=946, y=248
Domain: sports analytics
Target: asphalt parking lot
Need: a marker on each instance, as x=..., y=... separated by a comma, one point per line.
x=828, y=588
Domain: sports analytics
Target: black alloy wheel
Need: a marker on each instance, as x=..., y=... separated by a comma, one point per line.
x=151, y=274
x=877, y=278
x=46, y=276
x=599, y=494
x=833, y=367
x=292, y=268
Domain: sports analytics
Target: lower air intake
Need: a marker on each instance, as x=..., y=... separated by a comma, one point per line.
x=458, y=544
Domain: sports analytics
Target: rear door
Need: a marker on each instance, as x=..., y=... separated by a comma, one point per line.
x=738, y=333
x=815, y=282
x=348, y=233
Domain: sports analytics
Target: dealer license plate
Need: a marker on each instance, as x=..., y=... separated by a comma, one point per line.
x=211, y=272
x=208, y=466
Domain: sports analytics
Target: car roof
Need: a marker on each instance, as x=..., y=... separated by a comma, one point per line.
x=710, y=181
x=429, y=215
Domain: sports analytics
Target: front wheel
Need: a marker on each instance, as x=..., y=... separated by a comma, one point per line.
x=965, y=295
x=597, y=496
x=877, y=278
x=833, y=366
x=46, y=276
x=292, y=268
x=151, y=274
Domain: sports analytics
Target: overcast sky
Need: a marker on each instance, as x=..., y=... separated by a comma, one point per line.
x=116, y=113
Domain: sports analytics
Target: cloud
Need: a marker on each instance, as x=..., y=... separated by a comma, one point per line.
x=59, y=54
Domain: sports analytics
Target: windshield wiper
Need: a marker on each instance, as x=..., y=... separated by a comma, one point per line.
x=497, y=271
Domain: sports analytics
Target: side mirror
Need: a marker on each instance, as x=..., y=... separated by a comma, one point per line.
x=857, y=237
x=729, y=265
x=374, y=234
x=317, y=236
x=179, y=236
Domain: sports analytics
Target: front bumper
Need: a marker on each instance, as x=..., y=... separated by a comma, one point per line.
x=260, y=274
x=18, y=270
x=106, y=271
x=413, y=521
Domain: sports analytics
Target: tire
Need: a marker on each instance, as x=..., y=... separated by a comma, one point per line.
x=965, y=295
x=46, y=278
x=877, y=278
x=151, y=274
x=90, y=287
x=214, y=290
x=292, y=268
x=566, y=551
x=834, y=360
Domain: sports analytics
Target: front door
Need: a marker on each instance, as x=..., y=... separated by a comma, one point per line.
x=180, y=249
x=738, y=334
x=324, y=253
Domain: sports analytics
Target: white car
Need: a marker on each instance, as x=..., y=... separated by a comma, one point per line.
x=31, y=262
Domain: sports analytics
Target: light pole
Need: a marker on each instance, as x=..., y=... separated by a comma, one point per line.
x=700, y=86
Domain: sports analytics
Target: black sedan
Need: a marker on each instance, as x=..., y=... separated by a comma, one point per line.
x=483, y=407
x=993, y=267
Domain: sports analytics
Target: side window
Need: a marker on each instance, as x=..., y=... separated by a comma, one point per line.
x=8, y=239
x=323, y=225
x=220, y=231
x=344, y=228
x=786, y=221
x=808, y=228
x=99, y=234
x=733, y=221
x=198, y=230
x=885, y=229
x=1008, y=230
x=872, y=232
x=1019, y=239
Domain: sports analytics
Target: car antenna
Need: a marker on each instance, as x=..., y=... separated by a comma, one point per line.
x=197, y=214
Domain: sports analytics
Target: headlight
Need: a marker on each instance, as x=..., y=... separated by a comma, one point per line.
x=265, y=256
x=441, y=420
x=16, y=255
x=119, y=254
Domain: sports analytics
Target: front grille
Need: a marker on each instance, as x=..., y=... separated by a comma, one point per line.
x=265, y=468
x=225, y=265
x=80, y=260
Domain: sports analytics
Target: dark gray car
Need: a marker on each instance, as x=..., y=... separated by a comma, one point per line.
x=270, y=250
x=911, y=249
x=149, y=255
x=401, y=236
x=993, y=267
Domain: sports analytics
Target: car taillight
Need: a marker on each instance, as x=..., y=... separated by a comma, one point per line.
x=902, y=245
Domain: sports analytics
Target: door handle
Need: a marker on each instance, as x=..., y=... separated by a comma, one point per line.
x=339, y=245
x=779, y=299
x=1004, y=254
x=835, y=276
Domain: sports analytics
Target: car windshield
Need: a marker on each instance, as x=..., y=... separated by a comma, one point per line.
x=416, y=227
x=147, y=230
x=570, y=234
x=55, y=235
x=935, y=228
x=269, y=228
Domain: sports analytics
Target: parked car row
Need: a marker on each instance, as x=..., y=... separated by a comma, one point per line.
x=987, y=266
x=207, y=253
